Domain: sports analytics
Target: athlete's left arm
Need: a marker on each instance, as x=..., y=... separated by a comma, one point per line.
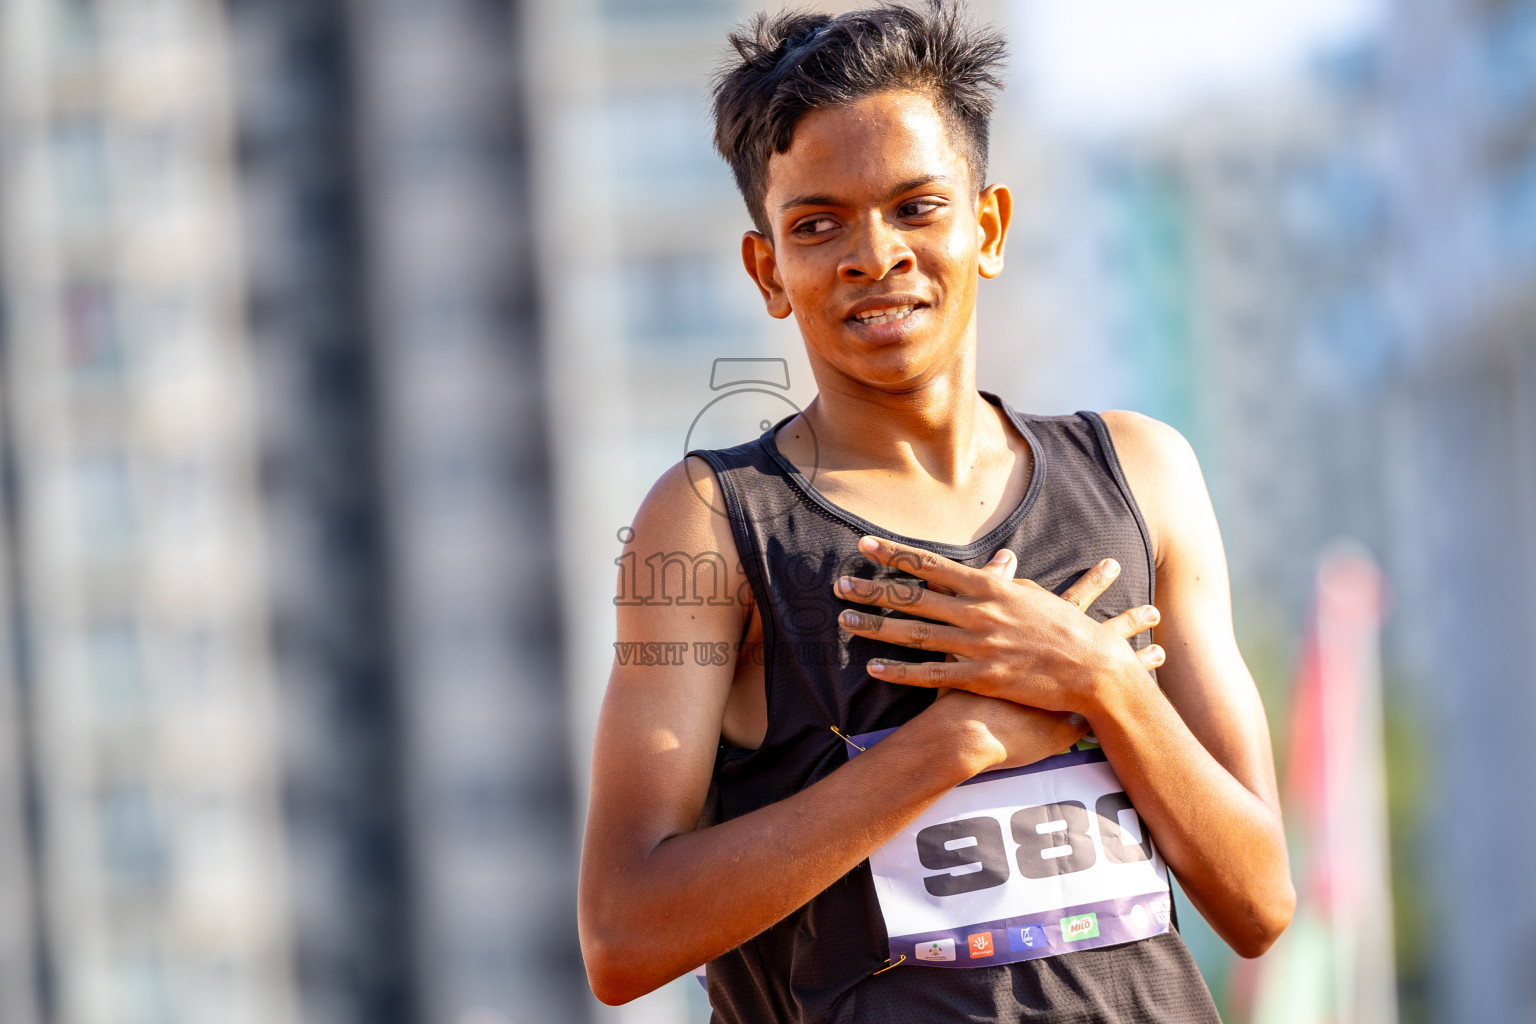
x=1193, y=750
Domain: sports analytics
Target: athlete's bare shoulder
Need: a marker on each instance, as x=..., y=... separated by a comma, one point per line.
x=679, y=571
x=684, y=512
x=686, y=504
x=1162, y=471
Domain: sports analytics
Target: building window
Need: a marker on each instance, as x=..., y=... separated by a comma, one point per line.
x=193, y=656
x=1510, y=61
x=141, y=989
x=684, y=298
x=650, y=9
x=661, y=141
x=186, y=491
x=156, y=165
x=74, y=28
x=80, y=168
x=133, y=842
x=114, y=661
x=1514, y=213
x=104, y=498
x=160, y=327
x=93, y=339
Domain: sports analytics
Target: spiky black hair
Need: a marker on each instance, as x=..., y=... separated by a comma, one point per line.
x=787, y=65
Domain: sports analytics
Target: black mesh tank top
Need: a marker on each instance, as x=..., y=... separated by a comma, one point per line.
x=818, y=965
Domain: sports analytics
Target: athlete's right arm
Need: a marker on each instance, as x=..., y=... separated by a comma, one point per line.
x=658, y=894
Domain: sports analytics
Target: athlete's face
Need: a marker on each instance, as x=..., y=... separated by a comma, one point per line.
x=878, y=240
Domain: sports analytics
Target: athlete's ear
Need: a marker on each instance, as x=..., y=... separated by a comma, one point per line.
x=757, y=256
x=994, y=211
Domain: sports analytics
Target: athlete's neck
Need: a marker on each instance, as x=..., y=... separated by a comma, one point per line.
x=940, y=429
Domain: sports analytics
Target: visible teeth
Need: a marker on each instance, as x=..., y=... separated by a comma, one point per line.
x=884, y=316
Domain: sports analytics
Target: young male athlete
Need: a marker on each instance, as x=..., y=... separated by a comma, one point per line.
x=979, y=581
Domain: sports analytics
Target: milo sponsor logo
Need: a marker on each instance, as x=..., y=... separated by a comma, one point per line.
x=1083, y=926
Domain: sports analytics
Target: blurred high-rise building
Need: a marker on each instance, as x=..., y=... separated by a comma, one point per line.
x=1218, y=268
x=1220, y=272
x=139, y=595
x=1327, y=286
x=314, y=370
x=283, y=693
x=1460, y=104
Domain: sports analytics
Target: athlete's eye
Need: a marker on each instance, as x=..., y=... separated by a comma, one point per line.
x=918, y=208
x=814, y=226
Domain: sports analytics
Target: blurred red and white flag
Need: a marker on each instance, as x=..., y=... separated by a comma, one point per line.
x=1334, y=965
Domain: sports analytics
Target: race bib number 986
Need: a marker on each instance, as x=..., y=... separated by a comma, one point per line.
x=1019, y=864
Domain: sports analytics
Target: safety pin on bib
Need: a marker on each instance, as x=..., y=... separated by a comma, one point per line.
x=860, y=749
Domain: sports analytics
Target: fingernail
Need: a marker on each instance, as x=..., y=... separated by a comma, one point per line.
x=1111, y=567
x=1152, y=615
x=853, y=620
x=845, y=585
x=876, y=667
x=869, y=545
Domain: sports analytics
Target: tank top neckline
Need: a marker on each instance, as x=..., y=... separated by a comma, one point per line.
x=987, y=544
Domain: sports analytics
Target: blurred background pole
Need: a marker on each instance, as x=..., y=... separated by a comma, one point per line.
x=21, y=963
x=296, y=110
x=1335, y=963
x=444, y=151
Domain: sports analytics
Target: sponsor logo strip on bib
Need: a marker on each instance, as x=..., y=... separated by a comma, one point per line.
x=1021, y=864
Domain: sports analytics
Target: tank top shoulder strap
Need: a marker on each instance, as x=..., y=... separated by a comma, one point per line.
x=1085, y=472
x=755, y=494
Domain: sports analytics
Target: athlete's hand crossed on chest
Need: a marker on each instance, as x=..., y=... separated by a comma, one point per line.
x=1015, y=640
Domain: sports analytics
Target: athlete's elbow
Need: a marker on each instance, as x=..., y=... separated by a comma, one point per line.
x=1256, y=943
x=618, y=950
x=609, y=973
x=1266, y=921
x=601, y=954
x=611, y=990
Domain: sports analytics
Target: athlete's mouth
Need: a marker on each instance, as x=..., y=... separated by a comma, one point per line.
x=884, y=315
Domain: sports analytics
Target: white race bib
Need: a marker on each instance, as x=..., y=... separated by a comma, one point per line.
x=1019, y=864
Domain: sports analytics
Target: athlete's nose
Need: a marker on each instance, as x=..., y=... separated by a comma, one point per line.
x=876, y=249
